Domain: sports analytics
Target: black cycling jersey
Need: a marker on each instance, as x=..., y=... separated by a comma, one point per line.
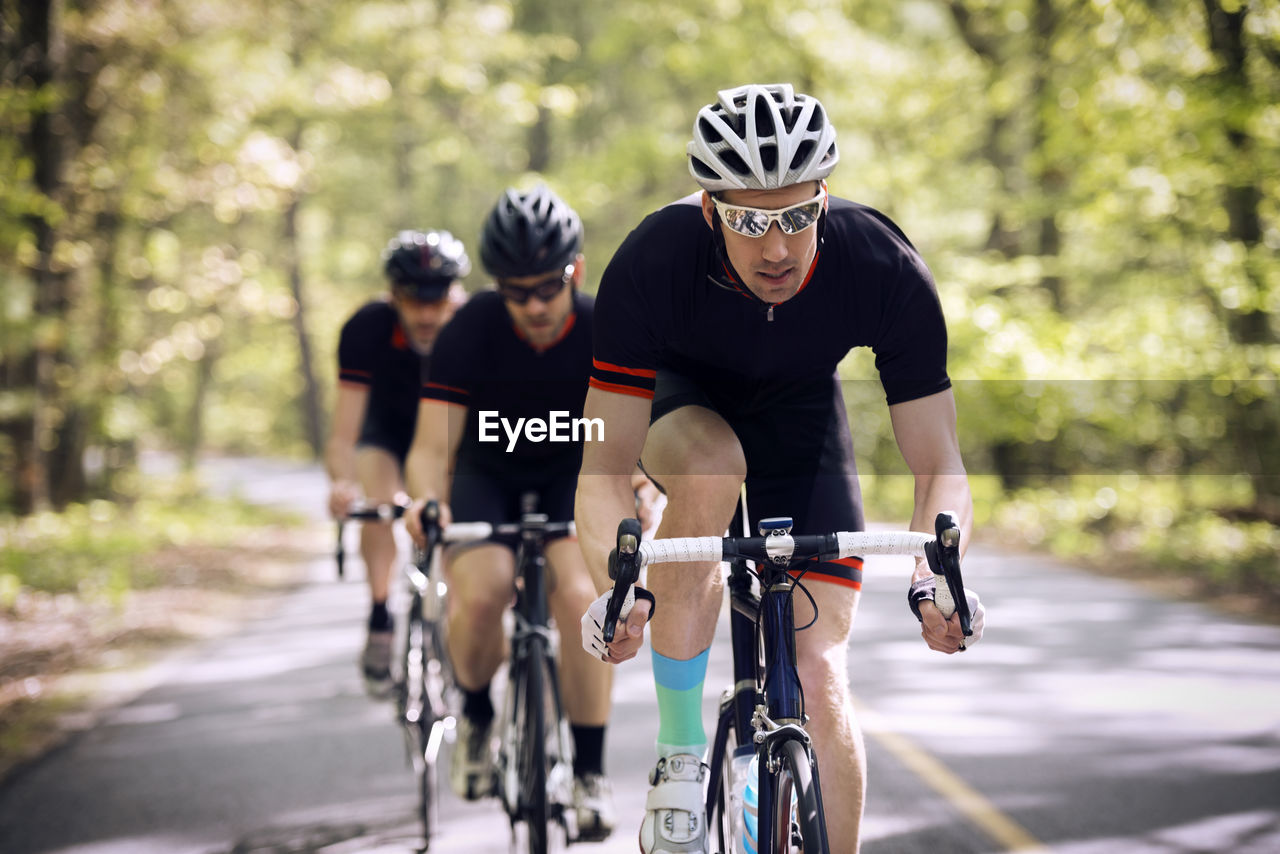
x=672, y=317
x=659, y=307
x=481, y=361
x=374, y=352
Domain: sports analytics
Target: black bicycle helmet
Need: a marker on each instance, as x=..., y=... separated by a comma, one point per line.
x=425, y=263
x=529, y=233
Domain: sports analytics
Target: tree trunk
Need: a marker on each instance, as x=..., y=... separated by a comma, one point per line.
x=998, y=149
x=53, y=449
x=1049, y=177
x=1255, y=428
x=311, y=410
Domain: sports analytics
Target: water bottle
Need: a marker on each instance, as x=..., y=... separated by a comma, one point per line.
x=751, y=806
x=742, y=774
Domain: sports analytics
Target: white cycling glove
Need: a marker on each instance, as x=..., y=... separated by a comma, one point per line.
x=593, y=621
x=924, y=590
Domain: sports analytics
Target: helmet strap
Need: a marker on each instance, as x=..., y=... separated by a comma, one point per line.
x=723, y=272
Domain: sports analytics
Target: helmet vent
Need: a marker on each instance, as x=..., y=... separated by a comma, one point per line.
x=734, y=162
x=701, y=169
x=789, y=118
x=764, y=120
x=802, y=154
x=769, y=157
x=709, y=131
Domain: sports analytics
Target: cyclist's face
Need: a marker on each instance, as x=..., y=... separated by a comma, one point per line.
x=541, y=321
x=422, y=319
x=774, y=265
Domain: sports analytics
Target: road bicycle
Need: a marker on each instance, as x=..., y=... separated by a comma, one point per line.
x=762, y=714
x=421, y=679
x=533, y=771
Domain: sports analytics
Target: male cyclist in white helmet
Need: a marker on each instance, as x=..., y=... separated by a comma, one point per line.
x=719, y=325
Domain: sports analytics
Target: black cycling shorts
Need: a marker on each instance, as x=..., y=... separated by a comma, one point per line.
x=381, y=429
x=479, y=495
x=800, y=462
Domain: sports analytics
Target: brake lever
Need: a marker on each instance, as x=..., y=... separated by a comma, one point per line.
x=944, y=560
x=624, y=569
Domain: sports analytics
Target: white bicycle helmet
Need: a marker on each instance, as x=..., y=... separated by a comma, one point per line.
x=761, y=137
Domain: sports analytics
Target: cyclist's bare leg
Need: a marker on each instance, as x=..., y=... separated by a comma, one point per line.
x=822, y=659
x=586, y=680
x=379, y=476
x=586, y=685
x=480, y=584
x=694, y=456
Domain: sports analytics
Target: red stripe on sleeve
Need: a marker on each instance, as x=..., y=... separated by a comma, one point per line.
x=618, y=388
x=618, y=369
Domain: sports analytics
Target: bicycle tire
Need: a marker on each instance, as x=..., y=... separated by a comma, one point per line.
x=795, y=775
x=419, y=716
x=720, y=819
x=531, y=754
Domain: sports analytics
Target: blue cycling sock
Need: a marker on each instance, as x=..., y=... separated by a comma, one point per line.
x=679, y=688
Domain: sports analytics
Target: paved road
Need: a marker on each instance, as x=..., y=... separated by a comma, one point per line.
x=1094, y=718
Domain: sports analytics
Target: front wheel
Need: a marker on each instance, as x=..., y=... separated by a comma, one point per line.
x=538, y=820
x=796, y=809
x=724, y=806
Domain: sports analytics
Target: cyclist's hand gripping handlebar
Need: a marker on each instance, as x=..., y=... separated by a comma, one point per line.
x=943, y=555
x=600, y=622
x=429, y=521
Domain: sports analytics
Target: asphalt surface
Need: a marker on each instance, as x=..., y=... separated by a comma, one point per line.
x=1094, y=717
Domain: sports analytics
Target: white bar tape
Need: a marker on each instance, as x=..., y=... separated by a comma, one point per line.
x=882, y=543
x=681, y=549
x=691, y=549
x=465, y=532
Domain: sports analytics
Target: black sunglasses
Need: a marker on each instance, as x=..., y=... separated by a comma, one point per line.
x=545, y=290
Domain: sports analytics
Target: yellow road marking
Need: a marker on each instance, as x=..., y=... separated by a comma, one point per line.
x=969, y=801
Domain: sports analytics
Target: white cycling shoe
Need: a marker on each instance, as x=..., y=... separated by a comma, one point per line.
x=674, y=819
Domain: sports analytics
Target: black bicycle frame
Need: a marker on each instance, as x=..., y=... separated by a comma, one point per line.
x=531, y=566
x=762, y=635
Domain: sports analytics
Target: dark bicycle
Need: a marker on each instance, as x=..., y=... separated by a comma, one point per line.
x=422, y=677
x=763, y=713
x=420, y=674
x=534, y=767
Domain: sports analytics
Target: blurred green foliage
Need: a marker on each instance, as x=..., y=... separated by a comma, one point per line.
x=1094, y=184
x=102, y=550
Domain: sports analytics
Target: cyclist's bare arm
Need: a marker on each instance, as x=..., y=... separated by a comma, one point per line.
x=429, y=465
x=605, y=493
x=926, y=433
x=340, y=451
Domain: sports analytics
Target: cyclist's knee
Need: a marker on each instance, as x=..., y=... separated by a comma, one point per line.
x=569, y=571
x=822, y=661
x=825, y=678
x=694, y=441
x=480, y=583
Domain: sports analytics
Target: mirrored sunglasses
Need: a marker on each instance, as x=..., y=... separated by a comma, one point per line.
x=545, y=290
x=754, y=222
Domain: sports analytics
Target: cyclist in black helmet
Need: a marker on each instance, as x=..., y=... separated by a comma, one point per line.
x=520, y=351
x=720, y=323
x=382, y=354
